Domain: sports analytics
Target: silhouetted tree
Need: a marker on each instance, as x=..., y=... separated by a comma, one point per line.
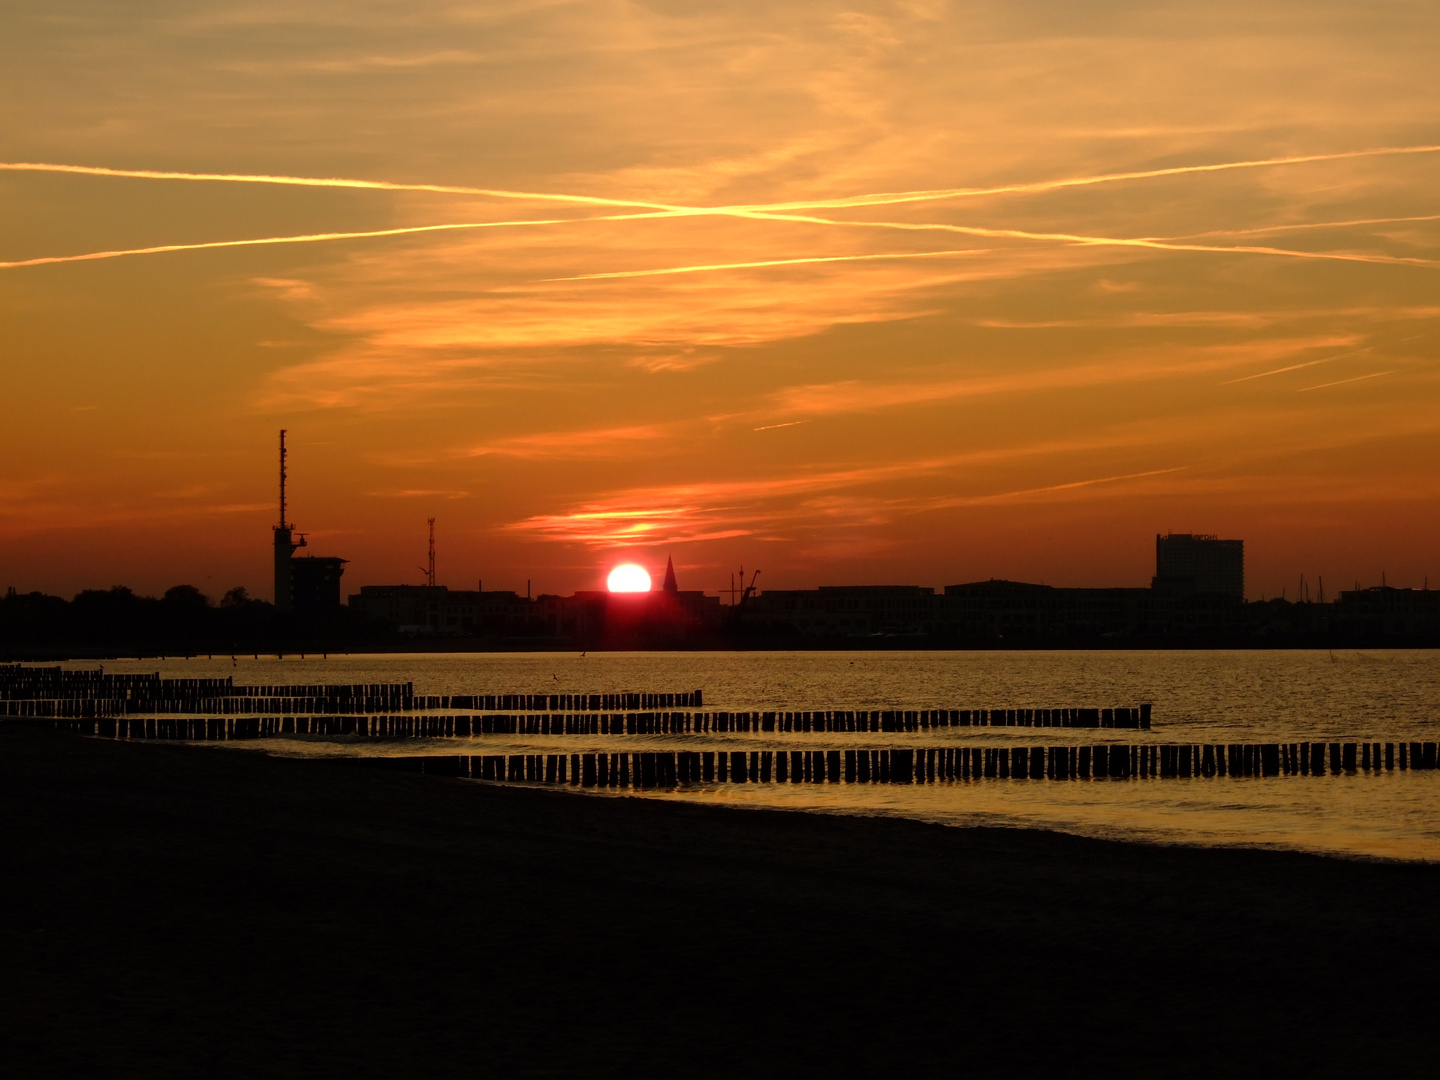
x=186, y=597
x=236, y=597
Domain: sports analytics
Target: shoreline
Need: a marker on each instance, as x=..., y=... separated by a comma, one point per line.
x=64, y=654
x=176, y=913
x=887, y=814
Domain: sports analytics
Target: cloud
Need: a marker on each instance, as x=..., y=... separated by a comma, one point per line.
x=554, y=444
x=417, y=493
x=1167, y=198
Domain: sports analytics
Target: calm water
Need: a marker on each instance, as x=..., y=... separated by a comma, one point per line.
x=1198, y=697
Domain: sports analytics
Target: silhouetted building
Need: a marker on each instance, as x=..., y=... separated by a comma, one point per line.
x=315, y=584
x=436, y=610
x=995, y=611
x=846, y=610
x=1383, y=611
x=439, y=610
x=1187, y=562
x=285, y=548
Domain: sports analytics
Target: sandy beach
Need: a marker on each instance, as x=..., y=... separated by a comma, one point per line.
x=179, y=911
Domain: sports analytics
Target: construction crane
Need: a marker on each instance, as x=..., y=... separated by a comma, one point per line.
x=747, y=590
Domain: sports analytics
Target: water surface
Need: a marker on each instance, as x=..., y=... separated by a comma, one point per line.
x=1198, y=697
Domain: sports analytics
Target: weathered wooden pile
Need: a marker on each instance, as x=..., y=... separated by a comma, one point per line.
x=664, y=769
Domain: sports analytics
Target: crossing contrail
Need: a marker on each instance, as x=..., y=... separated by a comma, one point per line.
x=772, y=262
x=778, y=212
x=1075, y=239
x=741, y=209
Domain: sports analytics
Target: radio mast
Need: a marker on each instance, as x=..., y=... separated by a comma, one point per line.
x=429, y=570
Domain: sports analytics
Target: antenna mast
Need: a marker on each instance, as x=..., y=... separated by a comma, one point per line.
x=283, y=525
x=429, y=569
x=285, y=545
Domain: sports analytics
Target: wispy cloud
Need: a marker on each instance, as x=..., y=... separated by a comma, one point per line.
x=633, y=274
x=417, y=493
x=553, y=444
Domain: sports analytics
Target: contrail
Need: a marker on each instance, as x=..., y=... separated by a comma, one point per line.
x=1008, y=234
x=1105, y=241
x=973, y=500
x=1342, y=382
x=307, y=238
x=966, y=230
x=1297, y=367
x=1303, y=225
x=891, y=198
x=770, y=262
x=326, y=182
x=758, y=212
x=788, y=423
x=1097, y=480
x=739, y=210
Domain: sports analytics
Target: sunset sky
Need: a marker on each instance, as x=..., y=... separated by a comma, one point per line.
x=911, y=293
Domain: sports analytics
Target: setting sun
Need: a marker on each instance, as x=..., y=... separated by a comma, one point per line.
x=628, y=578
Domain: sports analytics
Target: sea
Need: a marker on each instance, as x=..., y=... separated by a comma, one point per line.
x=1207, y=696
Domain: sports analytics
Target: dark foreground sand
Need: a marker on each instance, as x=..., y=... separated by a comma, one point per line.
x=171, y=911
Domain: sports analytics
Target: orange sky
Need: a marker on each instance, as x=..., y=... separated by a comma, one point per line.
x=677, y=319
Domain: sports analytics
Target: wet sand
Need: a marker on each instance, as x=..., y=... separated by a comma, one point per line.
x=178, y=911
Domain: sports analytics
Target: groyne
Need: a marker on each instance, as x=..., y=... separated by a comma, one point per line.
x=662, y=769
x=60, y=692
x=459, y=725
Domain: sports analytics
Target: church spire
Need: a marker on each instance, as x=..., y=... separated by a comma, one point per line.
x=670, y=585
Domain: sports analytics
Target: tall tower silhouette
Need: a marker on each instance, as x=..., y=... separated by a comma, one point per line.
x=285, y=546
x=670, y=583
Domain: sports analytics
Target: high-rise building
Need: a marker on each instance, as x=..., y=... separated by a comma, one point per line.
x=1198, y=563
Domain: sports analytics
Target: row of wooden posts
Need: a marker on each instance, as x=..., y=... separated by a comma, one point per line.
x=811, y=720
x=935, y=765
x=451, y=725
x=239, y=705
x=57, y=692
